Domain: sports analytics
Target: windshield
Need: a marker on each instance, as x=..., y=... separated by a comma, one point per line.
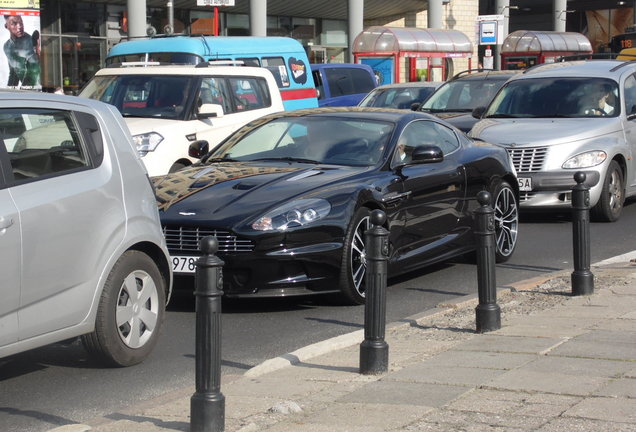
x=161, y=96
x=557, y=97
x=328, y=140
x=463, y=95
x=401, y=98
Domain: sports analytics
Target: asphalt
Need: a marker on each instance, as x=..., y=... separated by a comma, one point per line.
x=558, y=363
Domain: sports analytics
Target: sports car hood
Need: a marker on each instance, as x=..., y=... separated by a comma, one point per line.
x=238, y=190
x=543, y=132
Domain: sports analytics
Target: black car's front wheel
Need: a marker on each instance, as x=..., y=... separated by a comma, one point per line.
x=506, y=220
x=354, y=259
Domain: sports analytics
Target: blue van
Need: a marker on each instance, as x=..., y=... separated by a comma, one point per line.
x=342, y=84
x=284, y=57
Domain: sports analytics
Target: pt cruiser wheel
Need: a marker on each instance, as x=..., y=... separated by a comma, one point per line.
x=130, y=312
x=610, y=204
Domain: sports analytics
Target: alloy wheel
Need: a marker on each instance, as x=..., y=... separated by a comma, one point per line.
x=506, y=221
x=359, y=255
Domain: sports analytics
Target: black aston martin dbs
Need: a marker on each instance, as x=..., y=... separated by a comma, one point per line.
x=289, y=195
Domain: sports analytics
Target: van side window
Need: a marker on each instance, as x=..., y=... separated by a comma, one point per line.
x=344, y=81
x=42, y=143
x=249, y=93
x=250, y=61
x=276, y=65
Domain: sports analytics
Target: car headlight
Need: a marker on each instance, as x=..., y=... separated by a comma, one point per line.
x=293, y=214
x=586, y=160
x=147, y=142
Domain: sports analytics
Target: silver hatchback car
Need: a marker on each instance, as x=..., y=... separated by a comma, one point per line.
x=81, y=247
x=557, y=119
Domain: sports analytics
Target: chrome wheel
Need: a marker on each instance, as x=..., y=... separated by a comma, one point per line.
x=358, y=255
x=615, y=191
x=137, y=309
x=506, y=221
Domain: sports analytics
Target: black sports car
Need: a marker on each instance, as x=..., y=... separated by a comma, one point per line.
x=289, y=196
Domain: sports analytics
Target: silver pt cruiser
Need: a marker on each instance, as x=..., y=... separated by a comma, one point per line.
x=557, y=119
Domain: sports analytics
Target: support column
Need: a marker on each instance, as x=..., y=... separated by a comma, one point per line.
x=136, y=19
x=434, y=18
x=559, y=14
x=258, y=17
x=356, y=23
x=503, y=8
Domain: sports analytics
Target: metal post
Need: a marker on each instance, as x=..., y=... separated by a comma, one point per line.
x=488, y=313
x=207, y=404
x=582, y=277
x=374, y=351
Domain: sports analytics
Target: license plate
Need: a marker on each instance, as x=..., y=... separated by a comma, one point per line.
x=525, y=184
x=184, y=264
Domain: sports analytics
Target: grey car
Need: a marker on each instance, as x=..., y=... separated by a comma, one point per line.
x=557, y=119
x=455, y=100
x=81, y=250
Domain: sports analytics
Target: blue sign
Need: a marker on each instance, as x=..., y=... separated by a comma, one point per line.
x=383, y=68
x=487, y=32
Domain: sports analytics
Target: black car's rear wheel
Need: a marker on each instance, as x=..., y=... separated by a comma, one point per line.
x=354, y=260
x=506, y=220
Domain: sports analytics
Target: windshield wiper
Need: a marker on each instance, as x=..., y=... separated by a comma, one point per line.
x=433, y=110
x=502, y=116
x=218, y=159
x=289, y=159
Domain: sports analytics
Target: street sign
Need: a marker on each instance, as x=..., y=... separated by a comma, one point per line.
x=490, y=29
x=215, y=2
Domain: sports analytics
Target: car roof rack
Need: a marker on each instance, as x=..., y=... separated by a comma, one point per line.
x=469, y=71
x=221, y=63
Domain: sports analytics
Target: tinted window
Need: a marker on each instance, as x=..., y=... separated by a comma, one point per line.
x=346, y=81
x=249, y=93
x=41, y=143
x=424, y=133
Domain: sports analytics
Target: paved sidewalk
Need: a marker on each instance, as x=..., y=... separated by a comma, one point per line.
x=559, y=363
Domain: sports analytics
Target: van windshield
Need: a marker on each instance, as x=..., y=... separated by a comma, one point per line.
x=556, y=97
x=161, y=96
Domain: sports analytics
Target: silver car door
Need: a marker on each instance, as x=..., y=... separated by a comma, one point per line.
x=10, y=265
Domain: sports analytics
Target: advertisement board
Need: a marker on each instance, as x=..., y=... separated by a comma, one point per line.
x=383, y=68
x=20, y=40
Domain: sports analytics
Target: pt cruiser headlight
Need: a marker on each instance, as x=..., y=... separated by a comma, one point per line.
x=147, y=142
x=293, y=214
x=586, y=160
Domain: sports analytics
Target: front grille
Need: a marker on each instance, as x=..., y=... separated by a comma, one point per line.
x=528, y=159
x=186, y=239
x=525, y=196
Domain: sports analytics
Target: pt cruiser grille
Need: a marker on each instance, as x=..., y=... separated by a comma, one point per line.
x=528, y=159
x=186, y=239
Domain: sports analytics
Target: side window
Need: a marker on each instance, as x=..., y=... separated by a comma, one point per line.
x=249, y=93
x=422, y=133
x=630, y=95
x=250, y=61
x=362, y=81
x=49, y=144
x=339, y=82
x=276, y=65
x=214, y=91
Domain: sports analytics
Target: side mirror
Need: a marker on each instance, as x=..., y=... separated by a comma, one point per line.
x=478, y=112
x=210, y=110
x=415, y=106
x=427, y=154
x=198, y=149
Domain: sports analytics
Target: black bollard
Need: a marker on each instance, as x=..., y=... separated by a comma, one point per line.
x=488, y=313
x=374, y=351
x=582, y=277
x=207, y=404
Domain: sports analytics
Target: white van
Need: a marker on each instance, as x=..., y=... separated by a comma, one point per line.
x=169, y=107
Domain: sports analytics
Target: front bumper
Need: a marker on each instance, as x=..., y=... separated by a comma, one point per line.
x=554, y=189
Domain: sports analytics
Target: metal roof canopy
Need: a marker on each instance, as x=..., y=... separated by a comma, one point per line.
x=390, y=40
x=522, y=41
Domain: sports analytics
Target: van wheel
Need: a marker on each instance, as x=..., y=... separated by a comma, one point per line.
x=130, y=312
x=610, y=204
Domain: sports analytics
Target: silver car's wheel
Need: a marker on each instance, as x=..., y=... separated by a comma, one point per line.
x=130, y=312
x=610, y=204
x=354, y=259
x=137, y=309
x=506, y=221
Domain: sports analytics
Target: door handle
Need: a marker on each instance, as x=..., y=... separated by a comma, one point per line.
x=5, y=223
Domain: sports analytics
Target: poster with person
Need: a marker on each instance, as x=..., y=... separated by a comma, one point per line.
x=21, y=42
